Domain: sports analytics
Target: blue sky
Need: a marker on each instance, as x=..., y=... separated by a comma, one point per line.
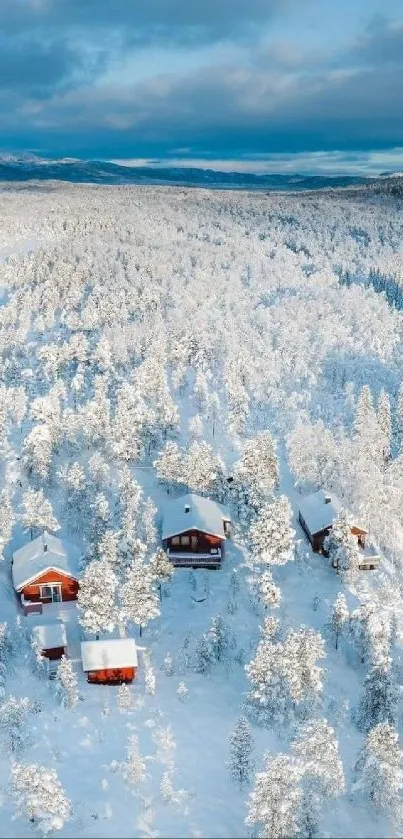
x=259, y=85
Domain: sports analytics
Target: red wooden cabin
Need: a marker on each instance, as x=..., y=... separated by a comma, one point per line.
x=43, y=571
x=194, y=530
x=50, y=640
x=109, y=661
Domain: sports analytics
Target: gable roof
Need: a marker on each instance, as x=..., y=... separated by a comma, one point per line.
x=320, y=510
x=42, y=554
x=109, y=654
x=193, y=512
x=50, y=635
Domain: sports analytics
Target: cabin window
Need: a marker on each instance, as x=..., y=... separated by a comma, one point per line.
x=185, y=540
x=176, y=540
x=52, y=591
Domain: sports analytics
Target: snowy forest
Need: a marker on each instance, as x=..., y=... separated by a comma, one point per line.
x=248, y=347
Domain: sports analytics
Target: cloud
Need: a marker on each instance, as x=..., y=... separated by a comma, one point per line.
x=145, y=20
x=335, y=162
x=269, y=95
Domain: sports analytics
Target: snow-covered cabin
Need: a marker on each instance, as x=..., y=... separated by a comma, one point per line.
x=109, y=661
x=317, y=514
x=45, y=571
x=50, y=639
x=194, y=530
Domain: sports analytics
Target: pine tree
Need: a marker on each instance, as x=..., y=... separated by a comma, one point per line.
x=66, y=682
x=161, y=568
x=270, y=594
x=40, y=797
x=241, y=748
x=204, y=655
x=342, y=546
x=385, y=425
x=218, y=638
x=182, y=692
x=317, y=747
x=134, y=769
x=256, y=473
x=124, y=697
x=275, y=802
x=169, y=466
x=271, y=534
x=138, y=597
x=37, y=513
x=96, y=601
x=14, y=723
x=339, y=617
x=380, y=698
x=378, y=772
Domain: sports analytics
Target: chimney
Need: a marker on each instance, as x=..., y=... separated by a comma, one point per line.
x=187, y=508
x=327, y=499
x=45, y=547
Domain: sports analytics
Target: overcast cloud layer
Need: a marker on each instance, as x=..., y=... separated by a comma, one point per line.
x=218, y=80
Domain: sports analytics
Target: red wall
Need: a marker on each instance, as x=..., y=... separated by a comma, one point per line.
x=54, y=654
x=69, y=586
x=112, y=677
x=204, y=542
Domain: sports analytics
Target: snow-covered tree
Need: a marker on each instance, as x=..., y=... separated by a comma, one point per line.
x=97, y=610
x=317, y=750
x=274, y=804
x=270, y=594
x=256, y=474
x=241, y=748
x=134, y=768
x=204, y=655
x=317, y=747
x=218, y=637
x=204, y=470
x=161, y=568
x=380, y=698
x=124, y=697
x=385, y=425
x=182, y=692
x=66, y=683
x=37, y=513
x=339, y=617
x=40, y=797
x=271, y=534
x=378, y=773
x=14, y=722
x=6, y=520
x=138, y=597
x=342, y=546
x=169, y=466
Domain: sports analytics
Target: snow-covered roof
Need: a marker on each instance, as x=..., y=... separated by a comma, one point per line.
x=193, y=512
x=320, y=510
x=109, y=654
x=50, y=635
x=43, y=553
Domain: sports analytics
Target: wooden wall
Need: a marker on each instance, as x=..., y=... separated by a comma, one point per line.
x=204, y=543
x=69, y=586
x=112, y=677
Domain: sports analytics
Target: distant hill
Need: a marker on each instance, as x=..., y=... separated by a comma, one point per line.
x=27, y=168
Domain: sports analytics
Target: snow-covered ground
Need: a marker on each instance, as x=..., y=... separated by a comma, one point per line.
x=235, y=298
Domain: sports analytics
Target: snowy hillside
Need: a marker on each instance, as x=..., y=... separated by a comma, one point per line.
x=156, y=341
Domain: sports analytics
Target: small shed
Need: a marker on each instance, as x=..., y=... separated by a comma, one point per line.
x=317, y=514
x=109, y=661
x=194, y=530
x=50, y=639
x=45, y=571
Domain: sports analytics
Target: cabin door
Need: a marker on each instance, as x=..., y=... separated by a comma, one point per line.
x=194, y=543
x=56, y=594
